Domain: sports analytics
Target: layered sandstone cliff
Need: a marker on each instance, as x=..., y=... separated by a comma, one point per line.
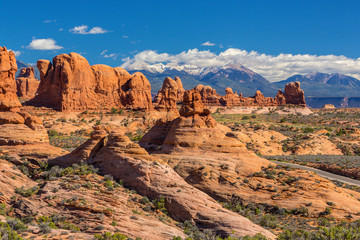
x=70, y=83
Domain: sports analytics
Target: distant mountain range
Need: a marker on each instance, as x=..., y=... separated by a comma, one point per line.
x=326, y=85
x=246, y=81
x=233, y=75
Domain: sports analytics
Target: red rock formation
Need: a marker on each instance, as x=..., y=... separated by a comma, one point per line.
x=137, y=92
x=280, y=98
x=171, y=93
x=116, y=155
x=230, y=98
x=167, y=96
x=208, y=95
x=26, y=83
x=71, y=84
x=8, y=68
x=293, y=94
x=181, y=90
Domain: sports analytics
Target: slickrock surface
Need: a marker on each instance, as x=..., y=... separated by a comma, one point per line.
x=8, y=68
x=222, y=167
x=80, y=202
x=26, y=83
x=69, y=83
x=148, y=175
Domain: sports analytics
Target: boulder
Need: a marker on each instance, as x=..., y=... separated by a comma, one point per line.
x=8, y=68
x=26, y=83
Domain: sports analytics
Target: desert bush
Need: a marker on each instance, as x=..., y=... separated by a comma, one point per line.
x=6, y=232
x=109, y=236
x=27, y=192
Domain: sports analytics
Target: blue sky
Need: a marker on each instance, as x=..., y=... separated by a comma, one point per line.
x=127, y=28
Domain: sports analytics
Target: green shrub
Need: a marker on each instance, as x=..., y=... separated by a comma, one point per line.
x=6, y=232
x=52, y=133
x=27, y=192
x=109, y=236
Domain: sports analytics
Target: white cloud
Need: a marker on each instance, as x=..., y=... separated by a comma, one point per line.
x=83, y=29
x=274, y=68
x=61, y=29
x=210, y=44
x=17, y=53
x=111, y=55
x=49, y=21
x=125, y=36
x=44, y=44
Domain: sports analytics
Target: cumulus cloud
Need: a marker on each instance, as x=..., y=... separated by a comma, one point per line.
x=210, y=44
x=84, y=29
x=272, y=67
x=44, y=44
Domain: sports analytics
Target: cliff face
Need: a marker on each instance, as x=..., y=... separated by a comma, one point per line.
x=70, y=83
x=8, y=68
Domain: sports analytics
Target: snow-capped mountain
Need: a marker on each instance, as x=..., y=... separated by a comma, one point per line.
x=233, y=74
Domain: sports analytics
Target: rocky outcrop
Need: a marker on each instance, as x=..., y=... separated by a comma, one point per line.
x=230, y=98
x=328, y=106
x=26, y=83
x=70, y=83
x=280, y=98
x=209, y=157
x=171, y=93
x=20, y=128
x=208, y=95
x=8, y=68
x=116, y=155
x=181, y=90
x=293, y=94
x=167, y=96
